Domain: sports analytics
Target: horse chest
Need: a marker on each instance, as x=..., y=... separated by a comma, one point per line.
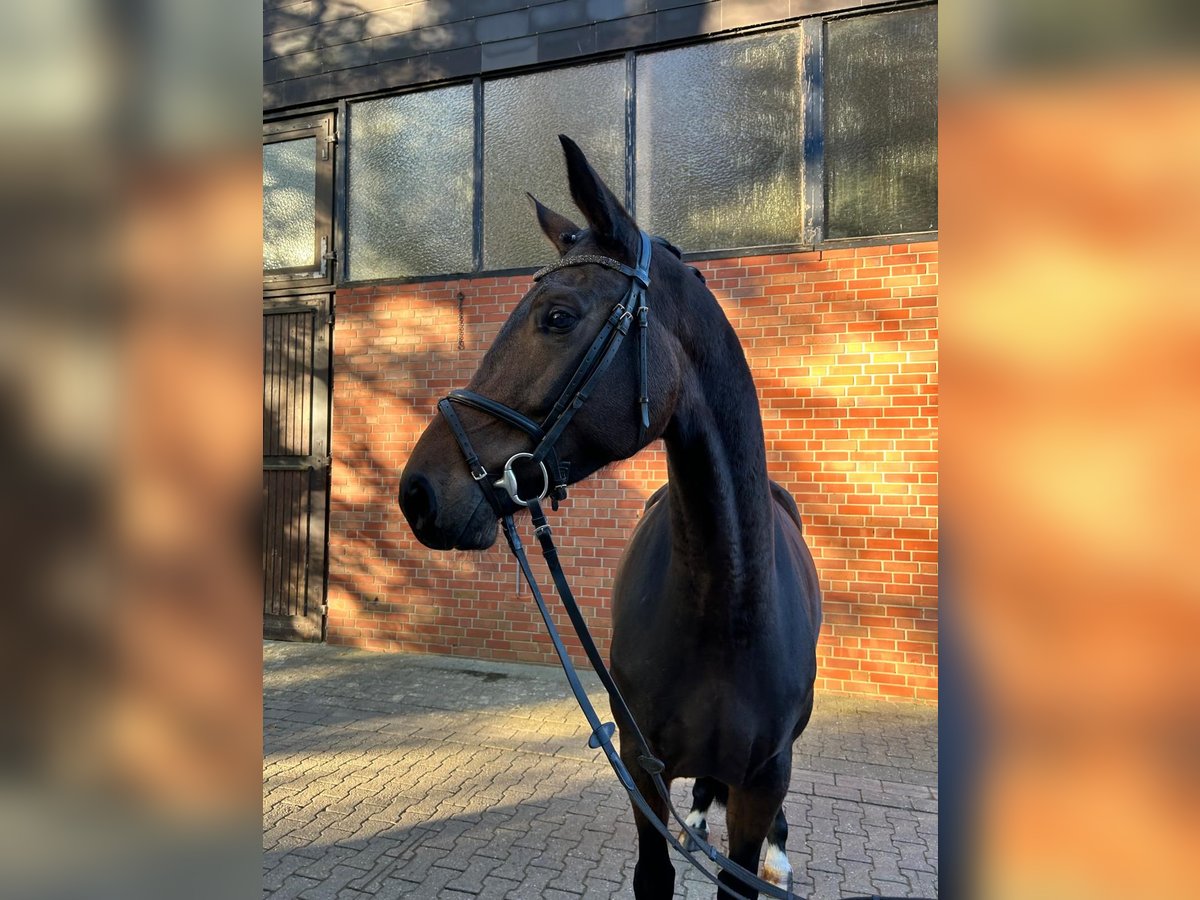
x=717, y=681
x=707, y=712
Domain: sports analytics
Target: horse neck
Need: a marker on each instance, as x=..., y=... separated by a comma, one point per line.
x=722, y=526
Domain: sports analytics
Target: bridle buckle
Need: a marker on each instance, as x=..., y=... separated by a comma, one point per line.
x=508, y=480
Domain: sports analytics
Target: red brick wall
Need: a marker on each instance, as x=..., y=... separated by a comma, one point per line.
x=843, y=346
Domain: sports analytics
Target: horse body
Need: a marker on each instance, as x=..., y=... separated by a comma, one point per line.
x=711, y=706
x=716, y=603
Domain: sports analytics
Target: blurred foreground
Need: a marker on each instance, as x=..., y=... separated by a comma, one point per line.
x=1071, y=380
x=129, y=399
x=129, y=369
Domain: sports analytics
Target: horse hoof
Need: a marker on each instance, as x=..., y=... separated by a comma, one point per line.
x=775, y=868
x=686, y=839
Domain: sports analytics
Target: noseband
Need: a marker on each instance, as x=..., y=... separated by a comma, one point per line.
x=555, y=474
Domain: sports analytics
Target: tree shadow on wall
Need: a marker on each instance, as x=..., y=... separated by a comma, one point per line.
x=382, y=577
x=423, y=599
x=842, y=503
x=341, y=39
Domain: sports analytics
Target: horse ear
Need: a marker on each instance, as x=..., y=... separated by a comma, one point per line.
x=607, y=217
x=560, y=230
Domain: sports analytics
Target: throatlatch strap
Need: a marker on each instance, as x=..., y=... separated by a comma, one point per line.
x=643, y=317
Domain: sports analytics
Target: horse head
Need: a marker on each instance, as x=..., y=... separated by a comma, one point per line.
x=558, y=328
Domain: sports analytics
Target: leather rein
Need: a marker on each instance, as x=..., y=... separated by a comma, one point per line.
x=554, y=484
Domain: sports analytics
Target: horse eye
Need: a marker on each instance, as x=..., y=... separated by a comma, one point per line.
x=560, y=320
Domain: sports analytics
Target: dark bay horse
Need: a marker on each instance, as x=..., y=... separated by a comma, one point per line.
x=716, y=603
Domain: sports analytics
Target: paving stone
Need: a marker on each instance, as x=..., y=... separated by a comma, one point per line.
x=394, y=775
x=532, y=885
x=331, y=884
x=322, y=868
x=573, y=874
x=600, y=888
x=895, y=889
x=923, y=884
x=495, y=888
x=285, y=866
x=852, y=846
x=913, y=857
x=433, y=884
x=293, y=888
x=885, y=867
x=416, y=867
x=472, y=877
x=826, y=885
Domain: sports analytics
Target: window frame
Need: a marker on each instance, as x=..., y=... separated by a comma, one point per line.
x=821, y=38
x=622, y=189
x=322, y=128
x=813, y=231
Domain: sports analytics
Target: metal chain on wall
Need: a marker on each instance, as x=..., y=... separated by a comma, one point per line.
x=461, y=323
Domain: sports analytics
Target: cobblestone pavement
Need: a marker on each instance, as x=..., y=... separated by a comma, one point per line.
x=396, y=775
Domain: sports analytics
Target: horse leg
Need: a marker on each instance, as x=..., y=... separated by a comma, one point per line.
x=704, y=792
x=752, y=812
x=653, y=876
x=776, y=868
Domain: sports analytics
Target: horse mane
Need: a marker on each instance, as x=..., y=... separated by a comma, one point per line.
x=781, y=494
x=785, y=499
x=678, y=254
x=655, y=497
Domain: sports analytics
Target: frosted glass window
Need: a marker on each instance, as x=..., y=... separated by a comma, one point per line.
x=522, y=118
x=719, y=147
x=881, y=123
x=411, y=180
x=289, y=204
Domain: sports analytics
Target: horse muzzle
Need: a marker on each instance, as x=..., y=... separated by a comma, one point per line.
x=442, y=522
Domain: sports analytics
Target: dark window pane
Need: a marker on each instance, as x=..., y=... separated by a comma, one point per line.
x=522, y=118
x=289, y=204
x=881, y=123
x=719, y=152
x=411, y=180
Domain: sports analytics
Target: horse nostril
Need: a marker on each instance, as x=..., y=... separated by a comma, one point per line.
x=418, y=500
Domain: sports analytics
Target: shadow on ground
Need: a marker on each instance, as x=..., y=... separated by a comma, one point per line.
x=396, y=775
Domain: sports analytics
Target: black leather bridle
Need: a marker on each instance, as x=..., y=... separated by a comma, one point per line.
x=600, y=354
x=587, y=374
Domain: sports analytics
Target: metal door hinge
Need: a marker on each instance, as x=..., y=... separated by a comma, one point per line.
x=331, y=137
x=327, y=256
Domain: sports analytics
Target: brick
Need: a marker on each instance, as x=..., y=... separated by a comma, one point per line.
x=848, y=386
